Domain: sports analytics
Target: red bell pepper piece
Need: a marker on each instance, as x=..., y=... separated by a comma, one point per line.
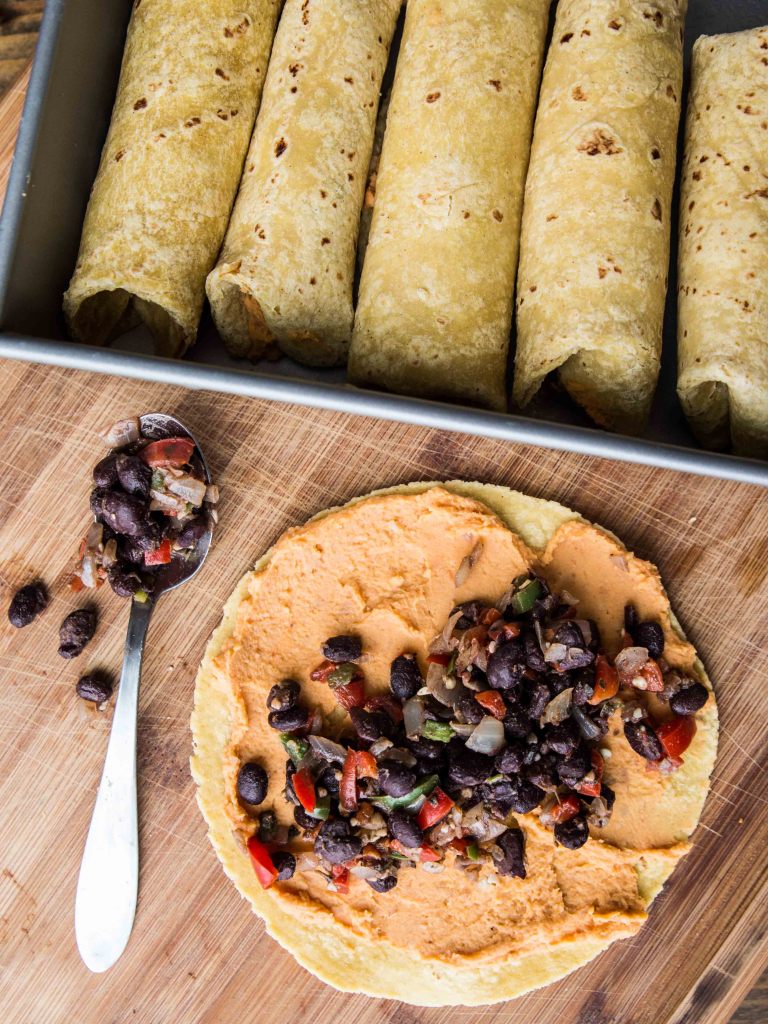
x=266, y=872
x=434, y=808
x=593, y=787
x=565, y=809
x=428, y=855
x=304, y=788
x=170, y=452
x=386, y=702
x=348, y=784
x=651, y=673
x=492, y=701
x=676, y=735
x=323, y=670
x=365, y=765
x=161, y=555
x=606, y=680
x=439, y=659
x=352, y=695
x=340, y=876
x=460, y=844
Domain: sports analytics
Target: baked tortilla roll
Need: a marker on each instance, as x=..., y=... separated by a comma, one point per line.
x=287, y=267
x=596, y=225
x=723, y=267
x=435, y=301
x=189, y=88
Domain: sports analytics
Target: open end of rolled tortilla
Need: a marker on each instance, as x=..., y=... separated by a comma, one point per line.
x=105, y=315
x=611, y=390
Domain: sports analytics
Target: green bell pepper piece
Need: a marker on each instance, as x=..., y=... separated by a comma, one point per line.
x=389, y=803
x=440, y=731
x=297, y=749
x=526, y=596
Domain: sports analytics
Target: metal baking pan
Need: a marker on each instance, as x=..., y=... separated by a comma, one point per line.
x=63, y=128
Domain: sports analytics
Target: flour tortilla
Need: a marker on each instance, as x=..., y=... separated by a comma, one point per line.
x=594, y=249
x=189, y=89
x=723, y=265
x=356, y=964
x=287, y=267
x=435, y=303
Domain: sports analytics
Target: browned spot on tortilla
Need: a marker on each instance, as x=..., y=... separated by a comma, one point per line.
x=578, y=93
x=140, y=104
x=280, y=147
x=495, y=83
x=599, y=142
x=432, y=96
x=498, y=215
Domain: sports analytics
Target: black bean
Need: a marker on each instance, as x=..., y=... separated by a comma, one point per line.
x=96, y=502
x=75, y=632
x=283, y=695
x=572, y=833
x=27, y=603
x=105, y=472
x=370, y=725
x=690, y=700
x=123, y=580
x=291, y=720
x=512, y=845
x=506, y=665
x=134, y=475
x=395, y=779
x=470, y=613
x=524, y=797
x=534, y=659
x=285, y=864
x=405, y=677
x=594, y=641
x=470, y=710
x=304, y=820
x=336, y=843
x=537, y=696
x=94, y=687
x=651, y=636
x=543, y=773
x=643, y=740
x=517, y=725
x=290, y=792
x=150, y=535
x=383, y=884
x=563, y=738
x=405, y=828
x=429, y=754
x=125, y=513
x=327, y=780
x=569, y=634
x=576, y=658
x=343, y=648
x=583, y=687
x=252, y=783
x=510, y=759
x=267, y=826
x=469, y=768
x=630, y=619
x=129, y=550
x=193, y=532
x=575, y=767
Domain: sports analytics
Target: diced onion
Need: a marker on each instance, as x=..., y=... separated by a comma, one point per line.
x=487, y=737
x=555, y=652
x=361, y=871
x=629, y=661
x=307, y=861
x=326, y=749
x=558, y=708
x=122, y=432
x=187, y=487
x=379, y=746
x=468, y=563
x=413, y=717
x=211, y=494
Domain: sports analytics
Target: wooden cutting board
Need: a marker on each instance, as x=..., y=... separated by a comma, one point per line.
x=197, y=954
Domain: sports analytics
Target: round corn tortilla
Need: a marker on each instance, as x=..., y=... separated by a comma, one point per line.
x=355, y=963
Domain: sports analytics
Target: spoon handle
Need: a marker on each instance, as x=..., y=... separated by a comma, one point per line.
x=107, y=888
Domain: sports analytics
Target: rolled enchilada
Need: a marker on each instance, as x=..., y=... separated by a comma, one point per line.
x=435, y=302
x=287, y=267
x=594, y=249
x=189, y=89
x=723, y=265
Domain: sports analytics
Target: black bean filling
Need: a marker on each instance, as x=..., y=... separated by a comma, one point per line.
x=27, y=603
x=504, y=723
x=94, y=687
x=76, y=631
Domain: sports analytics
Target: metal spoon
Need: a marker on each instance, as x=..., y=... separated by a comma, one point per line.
x=107, y=888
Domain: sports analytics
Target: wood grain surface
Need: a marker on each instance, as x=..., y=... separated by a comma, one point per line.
x=19, y=26
x=197, y=954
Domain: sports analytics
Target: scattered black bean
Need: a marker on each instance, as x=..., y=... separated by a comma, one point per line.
x=94, y=687
x=469, y=768
x=193, y=532
x=335, y=841
x=105, y=472
x=569, y=634
x=383, y=884
x=506, y=665
x=395, y=779
x=304, y=820
x=512, y=845
x=524, y=797
x=470, y=710
x=651, y=636
x=405, y=828
x=27, y=603
x=123, y=580
x=575, y=768
x=284, y=695
x=343, y=648
x=563, y=738
x=534, y=659
x=643, y=740
x=517, y=724
x=75, y=632
x=291, y=720
x=537, y=697
x=284, y=863
x=134, y=475
x=327, y=780
x=405, y=677
x=689, y=700
x=572, y=833
x=252, y=783
x=370, y=725
x=510, y=759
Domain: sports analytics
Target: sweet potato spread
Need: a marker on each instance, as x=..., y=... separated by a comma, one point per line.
x=385, y=569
